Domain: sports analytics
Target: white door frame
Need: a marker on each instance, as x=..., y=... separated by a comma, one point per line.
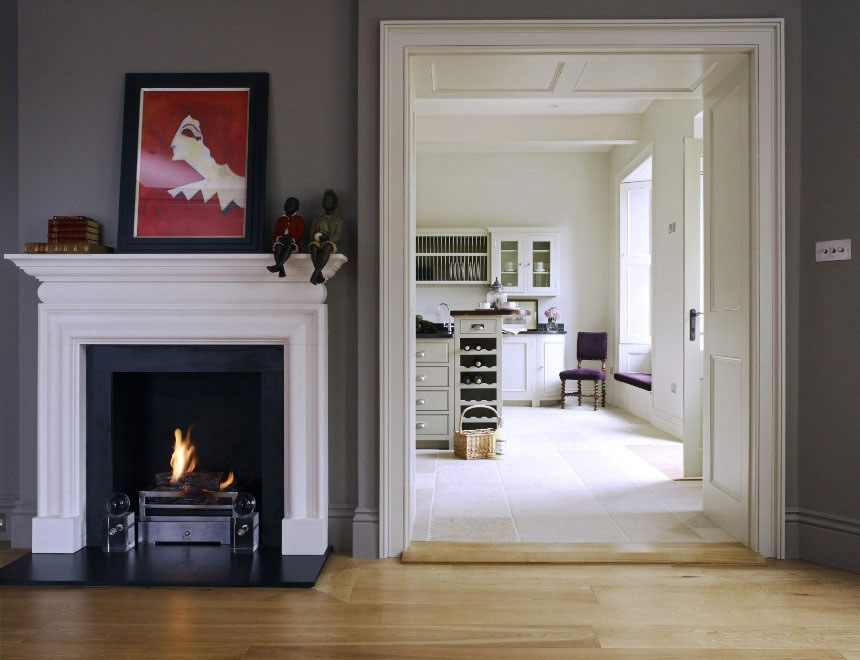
x=763, y=39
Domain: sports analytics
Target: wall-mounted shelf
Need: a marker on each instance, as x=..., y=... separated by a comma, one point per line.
x=452, y=257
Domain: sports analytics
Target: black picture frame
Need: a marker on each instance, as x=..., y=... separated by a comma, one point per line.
x=249, y=237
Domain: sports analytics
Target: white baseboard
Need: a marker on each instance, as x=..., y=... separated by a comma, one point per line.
x=672, y=425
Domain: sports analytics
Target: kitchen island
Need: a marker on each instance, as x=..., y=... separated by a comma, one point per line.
x=478, y=365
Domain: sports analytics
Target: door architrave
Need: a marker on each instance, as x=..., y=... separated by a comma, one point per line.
x=763, y=39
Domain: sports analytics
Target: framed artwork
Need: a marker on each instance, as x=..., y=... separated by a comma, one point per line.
x=530, y=305
x=193, y=162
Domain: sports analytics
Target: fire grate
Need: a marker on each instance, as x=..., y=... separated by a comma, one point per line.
x=180, y=516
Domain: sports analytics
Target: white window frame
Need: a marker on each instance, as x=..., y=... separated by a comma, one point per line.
x=626, y=260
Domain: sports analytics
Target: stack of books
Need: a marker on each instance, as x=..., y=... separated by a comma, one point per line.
x=70, y=234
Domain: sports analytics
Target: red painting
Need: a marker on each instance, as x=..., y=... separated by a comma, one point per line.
x=192, y=161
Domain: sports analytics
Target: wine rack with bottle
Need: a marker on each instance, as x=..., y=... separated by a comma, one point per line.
x=478, y=381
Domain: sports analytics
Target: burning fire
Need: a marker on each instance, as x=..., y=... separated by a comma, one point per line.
x=184, y=460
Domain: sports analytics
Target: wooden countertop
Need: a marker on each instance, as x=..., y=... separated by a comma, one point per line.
x=490, y=312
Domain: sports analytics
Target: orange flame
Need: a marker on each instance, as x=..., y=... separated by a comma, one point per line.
x=226, y=482
x=183, y=461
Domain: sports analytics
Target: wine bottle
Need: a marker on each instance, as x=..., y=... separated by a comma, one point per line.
x=478, y=363
x=467, y=380
x=466, y=347
x=478, y=380
x=477, y=347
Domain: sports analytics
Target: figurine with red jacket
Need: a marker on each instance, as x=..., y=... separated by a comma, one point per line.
x=286, y=235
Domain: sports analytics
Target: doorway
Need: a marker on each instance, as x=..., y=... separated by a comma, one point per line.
x=398, y=230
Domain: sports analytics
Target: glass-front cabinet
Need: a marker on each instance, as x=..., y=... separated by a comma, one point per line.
x=526, y=260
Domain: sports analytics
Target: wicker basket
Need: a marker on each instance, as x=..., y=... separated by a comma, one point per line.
x=476, y=443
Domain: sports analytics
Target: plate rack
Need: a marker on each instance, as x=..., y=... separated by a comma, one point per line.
x=452, y=258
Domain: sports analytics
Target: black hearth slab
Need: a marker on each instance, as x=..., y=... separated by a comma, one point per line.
x=166, y=566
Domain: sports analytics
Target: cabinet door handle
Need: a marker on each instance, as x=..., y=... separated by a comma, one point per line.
x=421, y=425
x=477, y=326
x=420, y=402
x=421, y=354
x=421, y=377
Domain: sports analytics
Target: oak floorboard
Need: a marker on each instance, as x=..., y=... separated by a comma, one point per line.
x=405, y=652
x=388, y=609
x=581, y=553
x=796, y=636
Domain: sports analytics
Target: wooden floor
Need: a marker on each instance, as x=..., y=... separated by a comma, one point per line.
x=388, y=609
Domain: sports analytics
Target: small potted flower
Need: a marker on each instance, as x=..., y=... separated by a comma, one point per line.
x=552, y=316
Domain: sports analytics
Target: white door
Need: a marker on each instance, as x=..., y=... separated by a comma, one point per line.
x=693, y=276
x=726, y=413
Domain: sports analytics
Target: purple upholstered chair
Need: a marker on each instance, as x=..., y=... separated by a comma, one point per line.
x=589, y=346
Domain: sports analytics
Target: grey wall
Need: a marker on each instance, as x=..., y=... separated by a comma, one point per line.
x=829, y=415
x=72, y=57
x=9, y=456
x=323, y=58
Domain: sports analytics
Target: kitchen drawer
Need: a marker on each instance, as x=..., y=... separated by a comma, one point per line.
x=432, y=351
x=431, y=376
x=478, y=326
x=431, y=424
x=432, y=400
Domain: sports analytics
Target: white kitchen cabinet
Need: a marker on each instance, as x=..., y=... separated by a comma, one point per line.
x=434, y=400
x=518, y=376
x=532, y=364
x=526, y=261
x=550, y=358
x=478, y=367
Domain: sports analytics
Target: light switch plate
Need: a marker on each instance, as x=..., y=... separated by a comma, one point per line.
x=833, y=250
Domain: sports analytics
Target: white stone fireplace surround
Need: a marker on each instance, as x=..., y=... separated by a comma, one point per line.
x=177, y=299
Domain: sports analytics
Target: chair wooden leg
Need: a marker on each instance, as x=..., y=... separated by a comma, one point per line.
x=563, y=394
x=603, y=388
x=596, y=393
x=579, y=391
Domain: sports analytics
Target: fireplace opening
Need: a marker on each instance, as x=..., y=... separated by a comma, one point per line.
x=226, y=401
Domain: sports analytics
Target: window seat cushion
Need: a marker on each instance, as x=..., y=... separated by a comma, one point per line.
x=642, y=381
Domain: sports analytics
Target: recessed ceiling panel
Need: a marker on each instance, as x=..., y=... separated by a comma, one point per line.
x=681, y=75
x=495, y=73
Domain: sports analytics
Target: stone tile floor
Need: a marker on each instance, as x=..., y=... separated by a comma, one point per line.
x=567, y=477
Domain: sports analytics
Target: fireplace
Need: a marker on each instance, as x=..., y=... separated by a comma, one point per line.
x=205, y=300
x=151, y=408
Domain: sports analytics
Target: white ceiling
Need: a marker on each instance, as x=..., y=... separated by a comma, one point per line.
x=525, y=84
x=526, y=92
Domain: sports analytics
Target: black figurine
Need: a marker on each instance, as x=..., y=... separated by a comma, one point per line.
x=325, y=233
x=286, y=236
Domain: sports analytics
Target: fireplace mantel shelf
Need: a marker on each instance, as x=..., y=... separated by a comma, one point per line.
x=168, y=267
